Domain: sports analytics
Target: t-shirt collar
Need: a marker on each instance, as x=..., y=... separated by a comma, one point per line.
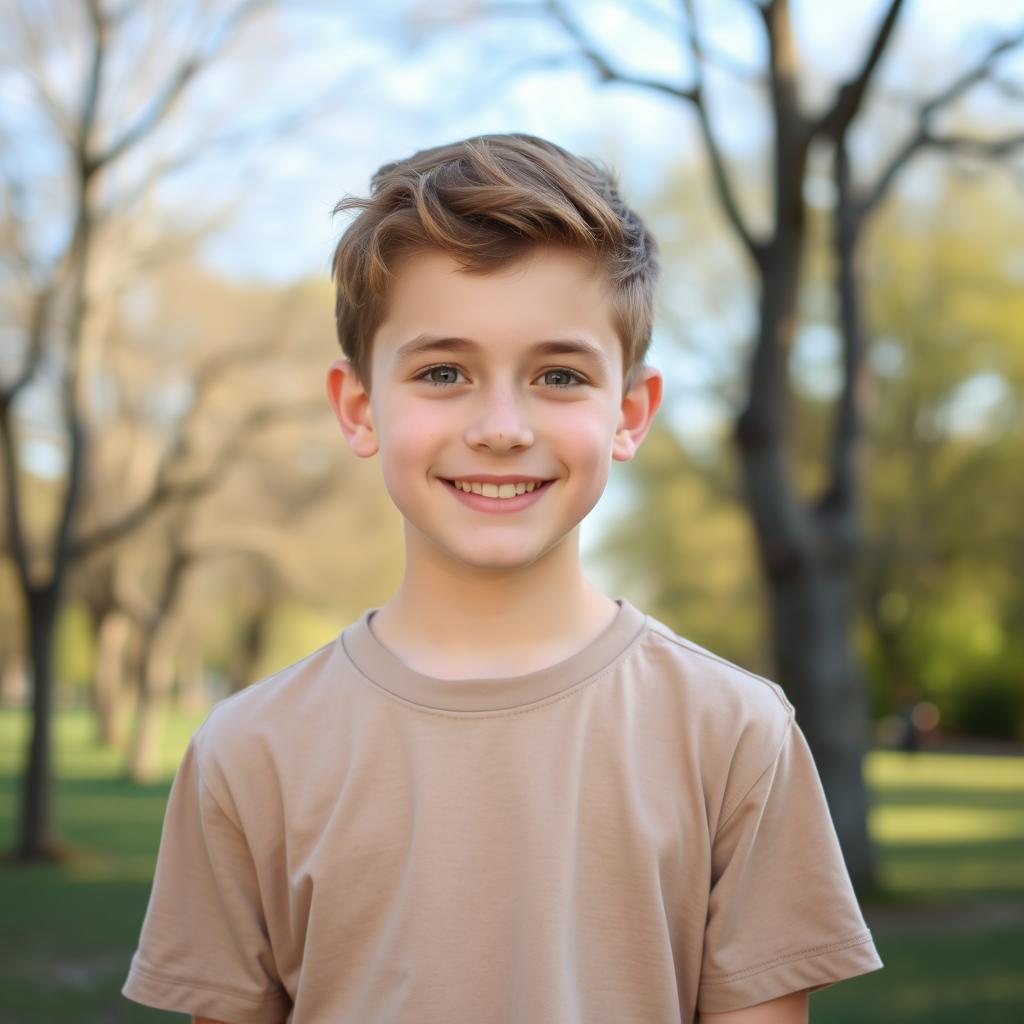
x=499, y=693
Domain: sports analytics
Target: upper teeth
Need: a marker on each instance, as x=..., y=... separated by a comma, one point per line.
x=495, y=490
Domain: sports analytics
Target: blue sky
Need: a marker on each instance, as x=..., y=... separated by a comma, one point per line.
x=460, y=83
x=470, y=79
x=396, y=99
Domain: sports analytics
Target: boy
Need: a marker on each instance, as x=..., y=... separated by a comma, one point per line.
x=501, y=796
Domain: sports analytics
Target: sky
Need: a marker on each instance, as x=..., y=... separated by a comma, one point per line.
x=521, y=74
x=463, y=81
x=379, y=95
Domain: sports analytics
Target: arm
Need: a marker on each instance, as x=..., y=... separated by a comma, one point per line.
x=790, y=1009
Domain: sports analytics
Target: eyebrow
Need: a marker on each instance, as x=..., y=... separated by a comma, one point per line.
x=424, y=343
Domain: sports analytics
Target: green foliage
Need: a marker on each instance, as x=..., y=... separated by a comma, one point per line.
x=683, y=547
x=295, y=631
x=940, y=601
x=945, y=540
x=75, y=645
x=990, y=700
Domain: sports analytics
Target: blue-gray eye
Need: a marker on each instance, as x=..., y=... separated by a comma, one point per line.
x=574, y=378
x=426, y=374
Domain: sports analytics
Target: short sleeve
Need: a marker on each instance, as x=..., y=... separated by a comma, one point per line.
x=203, y=947
x=782, y=914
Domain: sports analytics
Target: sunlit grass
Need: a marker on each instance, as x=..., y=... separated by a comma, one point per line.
x=888, y=769
x=76, y=752
x=945, y=823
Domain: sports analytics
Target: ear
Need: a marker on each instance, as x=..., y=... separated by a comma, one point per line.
x=351, y=404
x=639, y=405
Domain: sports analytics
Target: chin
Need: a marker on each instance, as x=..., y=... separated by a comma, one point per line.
x=498, y=563
x=498, y=559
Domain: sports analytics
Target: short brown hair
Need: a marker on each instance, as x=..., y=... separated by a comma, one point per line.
x=486, y=201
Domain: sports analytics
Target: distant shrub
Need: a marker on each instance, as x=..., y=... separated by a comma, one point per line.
x=990, y=702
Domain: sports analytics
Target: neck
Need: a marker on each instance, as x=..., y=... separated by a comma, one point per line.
x=451, y=614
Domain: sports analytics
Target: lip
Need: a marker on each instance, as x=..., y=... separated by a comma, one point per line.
x=498, y=506
x=490, y=478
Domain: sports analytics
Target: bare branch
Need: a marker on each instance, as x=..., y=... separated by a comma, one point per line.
x=723, y=184
x=792, y=131
x=36, y=74
x=168, y=484
x=220, y=365
x=168, y=489
x=923, y=137
x=12, y=496
x=835, y=121
x=981, y=71
x=92, y=88
x=14, y=231
x=1010, y=89
x=605, y=72
x=167, y=97
x=34, y=352
x=978, y=147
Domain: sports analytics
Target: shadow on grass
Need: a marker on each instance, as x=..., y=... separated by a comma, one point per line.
x=70, y=929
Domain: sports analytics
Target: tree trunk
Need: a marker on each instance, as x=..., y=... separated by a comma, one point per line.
x=110, y=686
x=807, y=556
x=191, y=693
x=245, y=659
x=38, y=841
x=812, y=624
x=154, y=697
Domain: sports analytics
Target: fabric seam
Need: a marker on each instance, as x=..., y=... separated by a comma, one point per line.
x=786, y=704
x=707, y=655
x=270, y=677
x=726, y=818
x=474, y=716
x=220, y=806
x=205, y=784
x=187, y=983
x=860, y=939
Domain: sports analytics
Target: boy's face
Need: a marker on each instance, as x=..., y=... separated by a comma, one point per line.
x=489, y=399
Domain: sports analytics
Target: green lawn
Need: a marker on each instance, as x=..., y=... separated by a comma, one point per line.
x=950, y=927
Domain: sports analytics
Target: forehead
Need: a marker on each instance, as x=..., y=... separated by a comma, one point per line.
x=549, y=295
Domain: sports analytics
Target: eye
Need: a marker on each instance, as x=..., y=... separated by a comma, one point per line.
x=449, y=369
x=575, y=377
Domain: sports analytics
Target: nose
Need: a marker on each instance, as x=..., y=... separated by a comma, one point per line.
x=501, y=422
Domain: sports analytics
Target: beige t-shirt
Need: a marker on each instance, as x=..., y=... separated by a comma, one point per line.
x=633, y=834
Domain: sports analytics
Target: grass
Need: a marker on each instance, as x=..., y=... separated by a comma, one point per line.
x=69, y=931
x=949, y=924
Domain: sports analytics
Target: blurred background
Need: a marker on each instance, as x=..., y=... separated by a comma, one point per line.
x=832, y=495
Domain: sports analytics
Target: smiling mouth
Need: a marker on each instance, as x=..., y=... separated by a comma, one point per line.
x=494, y=490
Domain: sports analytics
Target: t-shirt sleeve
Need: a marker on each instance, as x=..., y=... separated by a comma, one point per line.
x=203, y=947
x=782, y=915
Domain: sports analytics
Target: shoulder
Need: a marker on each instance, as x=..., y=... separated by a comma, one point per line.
x=253, y=725
x=738, y=719
x=259, y=702
x=712, y=680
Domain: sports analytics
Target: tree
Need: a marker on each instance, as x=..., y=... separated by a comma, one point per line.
x=940, y=610
x=807, y=545
x=55, y=300
x=945, y=550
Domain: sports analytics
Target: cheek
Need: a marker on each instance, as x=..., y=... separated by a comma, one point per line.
x=588, y=436
x=412, y=435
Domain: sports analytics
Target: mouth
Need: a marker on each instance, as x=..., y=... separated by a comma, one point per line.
x=495, y=492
